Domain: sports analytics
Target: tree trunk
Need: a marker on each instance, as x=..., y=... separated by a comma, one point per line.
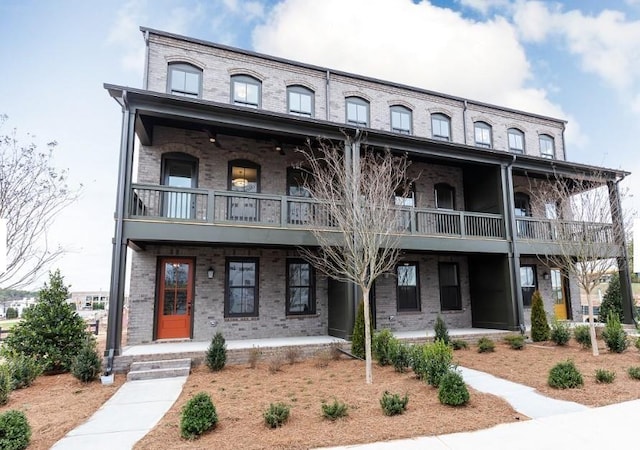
x=367, y=336
x=592, y=327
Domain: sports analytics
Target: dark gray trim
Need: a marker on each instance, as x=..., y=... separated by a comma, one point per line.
x=546, y=138
x=357, y=101
x=516, y=132
x=458, y=305
x=301, y=90
x=480, y=124
x=179, y=66
x=311, y=287
x=441, y=117
x=402, y=110
x=417, y=287
x=256, y=286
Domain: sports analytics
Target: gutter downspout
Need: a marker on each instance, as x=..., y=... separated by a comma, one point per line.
x=564, y=144
x=116, y=288
x=145, y=79
x=464, y=122
x=327, y=91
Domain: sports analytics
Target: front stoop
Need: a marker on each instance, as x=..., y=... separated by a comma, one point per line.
x=150, y=370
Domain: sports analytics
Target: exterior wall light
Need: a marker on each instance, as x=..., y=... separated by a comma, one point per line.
x=210, y=272
x=545, y=275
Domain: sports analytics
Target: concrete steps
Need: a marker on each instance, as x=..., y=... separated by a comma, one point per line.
x=150, y=370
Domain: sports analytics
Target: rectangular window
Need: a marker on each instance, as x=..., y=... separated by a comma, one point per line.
x=300, y=288
x=547, y=147
x=300, y=102
x=246, y=92
x=407, y=279
x=357, y=112
x=440, y=127
x=400, y=119
x=527, y=283
x=185, y=80
x=449, y=278
x=516, y=141
x=482, y=134
x=242, y=287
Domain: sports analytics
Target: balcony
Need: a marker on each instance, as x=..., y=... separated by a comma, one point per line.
x=533, y=229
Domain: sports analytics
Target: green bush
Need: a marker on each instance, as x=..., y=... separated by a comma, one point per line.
x=50, y=331
x=459, y=344
x=634, y=372
x=539, y=324
x=442, y=333
x=637, y=344
x=334, y=411
x=560, y=332
x=276, y=415
x=605, y=376
x=5, y=384
x=453, y=390
x=393, y=404
x=614, y=335
x=87, y=365
x=24, y=371
x=97, y=306
x=515, y=341
x=612, y=300
x=437, y=361
x=357, y=339
x=582, y=336
x=198, y=416
x=15, y=432
x=383, y=346
x=216, y=356
x=486, y=345
x=401, y=357
x=565, y=375
x=12, y=313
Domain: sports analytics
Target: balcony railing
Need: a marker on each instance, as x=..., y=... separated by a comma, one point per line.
x=529, y=228
x=224, y=207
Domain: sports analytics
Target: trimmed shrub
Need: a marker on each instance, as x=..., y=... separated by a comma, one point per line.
x=442, y=333
x=612, y=300
x=50, y=331
x=453, y=390
x=217, y=353
x=614, y=335
x=198, y=416
x=357, y=339
x=459, y=344
x=87, y=364
x=634, y=372
x=393, y=404
x=15, y=431
x=637, y=344
x=515, y=341
x=438, y=358
x=605, y=376
x=416, y=361
x=401, y=357
x=334, y=411
x=582, y=336
x=565, y=375
x=539, y=324
x=383, y=346
x=276, y=415
x=5, y=384
x=560, y=332
x=24, y=371
x=12, y=313
x=486, y=345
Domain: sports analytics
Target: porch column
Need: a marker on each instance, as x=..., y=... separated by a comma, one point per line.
x=119, y=252
x=617, y=219
x=508, y=208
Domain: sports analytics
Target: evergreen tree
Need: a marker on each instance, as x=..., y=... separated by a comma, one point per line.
x=357, y=339
x=612, y=301
x=539, y=324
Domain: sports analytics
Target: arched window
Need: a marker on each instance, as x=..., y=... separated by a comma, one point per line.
x=401, y=119
x=300, y=101
x=547, y=149
x=516, y=140
x=440, y=127
x=357, y=111
x=184, y=79
x=246, y=91
x=482, y=132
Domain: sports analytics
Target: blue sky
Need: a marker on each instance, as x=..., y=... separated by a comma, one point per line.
x=577, y=60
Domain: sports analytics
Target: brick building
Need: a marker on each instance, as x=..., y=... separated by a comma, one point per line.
x=210, y=200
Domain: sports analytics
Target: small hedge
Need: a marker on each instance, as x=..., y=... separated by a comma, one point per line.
x=634, y=372
x=87, y=365
x=393, y=404
x=334, y=411
x=453, y=390
x=605, y=376
x=442, y=333
x=614, y=335
x=539, y=324
x=5, y=384
x=515, y=341
x=198, y=416
x=459, y=344
x=276, y=415
x=486, y=345
x=401, y=357
x=437, y=360
x=565, y=375
x=582, y=336
x=560, y=332
x=24, y=371
x=216, y=356
x=383, y=346
x=15, y=431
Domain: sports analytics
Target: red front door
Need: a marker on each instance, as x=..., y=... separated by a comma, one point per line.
x=175, y=298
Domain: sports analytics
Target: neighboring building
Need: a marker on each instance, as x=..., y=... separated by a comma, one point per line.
x=215, y=212
x=90, y=300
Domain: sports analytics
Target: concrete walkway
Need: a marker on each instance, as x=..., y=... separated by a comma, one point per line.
x=139, y=405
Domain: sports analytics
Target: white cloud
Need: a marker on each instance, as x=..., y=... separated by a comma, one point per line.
x=418, y=44
x=484, y=6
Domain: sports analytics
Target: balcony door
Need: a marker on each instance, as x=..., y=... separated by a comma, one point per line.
x=175, y=298
x=179, y=171
x=244, y=177
x=522, y=208
x=528, y=283
x=299, y=213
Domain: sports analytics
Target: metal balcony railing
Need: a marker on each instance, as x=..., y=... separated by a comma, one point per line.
x=529, y=228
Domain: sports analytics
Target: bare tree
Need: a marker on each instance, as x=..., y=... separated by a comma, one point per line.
x=355, y=219
x=581, y=223
x=32, y=193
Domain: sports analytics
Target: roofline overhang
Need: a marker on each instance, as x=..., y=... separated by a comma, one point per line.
x=152, y=104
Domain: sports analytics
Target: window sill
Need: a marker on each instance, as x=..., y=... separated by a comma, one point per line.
x=302, y=316
x=452, y=311
x=409, y=313
x=240, y=319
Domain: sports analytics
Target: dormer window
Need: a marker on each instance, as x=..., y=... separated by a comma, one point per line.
x=300, y=101
x=547, y=149
x=440, y=127
x=516, y=140
x=357, y=111
x=246, y=91
x=185, y=80
x=482, y=131
x=400, y=119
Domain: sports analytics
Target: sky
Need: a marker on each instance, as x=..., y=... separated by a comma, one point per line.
x=577, y=60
